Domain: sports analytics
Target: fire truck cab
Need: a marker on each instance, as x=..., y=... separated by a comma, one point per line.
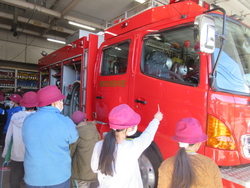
x=190, y=61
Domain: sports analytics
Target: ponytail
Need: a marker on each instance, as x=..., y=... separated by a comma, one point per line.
x=107, y=158
x=183, y=174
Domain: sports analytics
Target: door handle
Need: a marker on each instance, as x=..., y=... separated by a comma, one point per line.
x=99, y=97
x=140, y=101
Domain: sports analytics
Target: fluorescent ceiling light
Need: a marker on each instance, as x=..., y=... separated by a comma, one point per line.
x=140, y=1
x=81, y=25
x=58, y=41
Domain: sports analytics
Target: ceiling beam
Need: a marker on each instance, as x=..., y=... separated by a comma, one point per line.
x=37, y=23
x=26, y=5
x=3, y=26
x=65, y=11
x=69, y=7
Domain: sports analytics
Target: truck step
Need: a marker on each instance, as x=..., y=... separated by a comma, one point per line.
x=239, y=175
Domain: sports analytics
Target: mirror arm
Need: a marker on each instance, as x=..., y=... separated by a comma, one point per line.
x=223, y=38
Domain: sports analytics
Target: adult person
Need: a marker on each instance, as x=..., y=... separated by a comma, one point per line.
x=14, y=108
x=115, y=159
x=29, y=101
x=81, y=150
x=47, y=135
x=188, y=169
x=3, y=116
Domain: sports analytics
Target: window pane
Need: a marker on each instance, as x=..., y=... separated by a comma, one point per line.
x=233, y=70
x=170, y=55
x=115, y=59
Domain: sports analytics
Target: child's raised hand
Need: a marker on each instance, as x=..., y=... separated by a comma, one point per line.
x=158, y=116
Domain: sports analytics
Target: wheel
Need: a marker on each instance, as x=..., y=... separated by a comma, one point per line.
x=149, y=163
x=74, y=102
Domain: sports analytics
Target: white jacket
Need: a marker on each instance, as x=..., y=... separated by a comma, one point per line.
x=15, y=129
x=127, y=172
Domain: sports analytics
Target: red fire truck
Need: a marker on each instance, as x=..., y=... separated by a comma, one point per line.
x=189, y=60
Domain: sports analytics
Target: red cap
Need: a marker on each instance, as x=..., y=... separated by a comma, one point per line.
x=78, y=116
x=29, y=99
x=2, y=98
x=1, y=93
x=122, y=117
x=16, y=98
x=49, y=95
x=188, y=130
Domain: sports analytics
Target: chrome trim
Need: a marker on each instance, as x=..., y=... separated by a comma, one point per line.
x=100, y=122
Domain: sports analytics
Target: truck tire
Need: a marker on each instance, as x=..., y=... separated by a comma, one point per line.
x=149, y=162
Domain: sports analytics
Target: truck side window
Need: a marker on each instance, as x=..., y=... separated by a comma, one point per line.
x=170, y=55
x=115, y=59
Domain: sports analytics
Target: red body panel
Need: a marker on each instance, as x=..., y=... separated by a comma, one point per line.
x=229, y=184
x=174, y=11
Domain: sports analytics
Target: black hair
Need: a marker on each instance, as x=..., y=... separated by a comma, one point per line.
x=107, y=157
x=30, y=108
x=183, y=174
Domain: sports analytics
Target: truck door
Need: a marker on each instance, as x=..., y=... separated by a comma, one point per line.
x=172, y=76
x=112, y=79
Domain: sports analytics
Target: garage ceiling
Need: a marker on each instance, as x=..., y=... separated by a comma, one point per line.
x=49, y=18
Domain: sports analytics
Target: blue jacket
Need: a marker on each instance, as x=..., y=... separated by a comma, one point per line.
x=47, y=135
x=10, y=112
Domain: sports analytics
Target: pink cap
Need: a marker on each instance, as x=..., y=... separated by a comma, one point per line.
x=49, y=95
x=122, y=117
x=16, y=98
x=188, y=130
x=29, y=99
x=78, y=116
x=2, y=98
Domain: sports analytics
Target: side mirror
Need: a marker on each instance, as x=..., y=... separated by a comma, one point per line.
x=204, y=34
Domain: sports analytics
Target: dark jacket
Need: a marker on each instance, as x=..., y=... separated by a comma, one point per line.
x=3, y=117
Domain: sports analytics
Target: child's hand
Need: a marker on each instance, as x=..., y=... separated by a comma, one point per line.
x=158, y=116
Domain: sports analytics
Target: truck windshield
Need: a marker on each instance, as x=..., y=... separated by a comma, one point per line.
x=169, y=55
x=233, y=69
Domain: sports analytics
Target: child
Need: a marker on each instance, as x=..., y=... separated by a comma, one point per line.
x=14, y=102
x=115, y=159
x=29, y=101
x=189, y=169
x=81, y=150
x=47, y=135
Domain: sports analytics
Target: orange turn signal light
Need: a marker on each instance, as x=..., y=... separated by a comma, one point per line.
x=219, y=136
